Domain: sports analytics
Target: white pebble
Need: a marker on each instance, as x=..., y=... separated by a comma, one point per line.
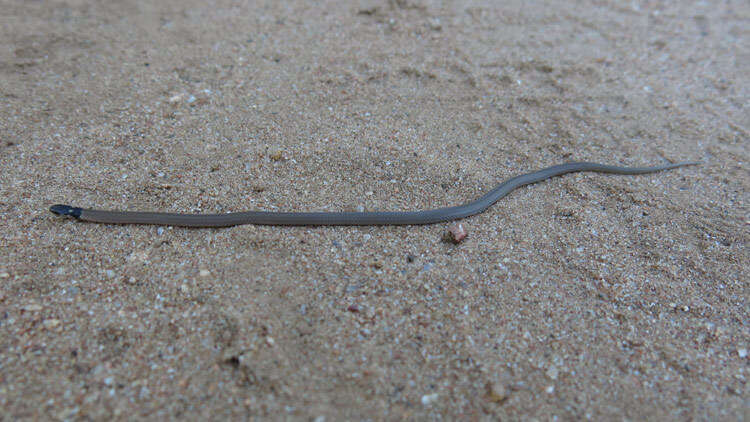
x=51, y=324
x=552, y=372
x=175, y=99
x=742, y=353
x=428, y=399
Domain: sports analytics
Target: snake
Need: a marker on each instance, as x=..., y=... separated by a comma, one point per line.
x=370, y=218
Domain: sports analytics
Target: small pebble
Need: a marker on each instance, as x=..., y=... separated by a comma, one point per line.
x=51, y=324
x=4, y=274
x=552, y=372
x=160, y=231
x=175, y=99
x=277, y=156
x=353, y=308
x=204, y=273
x=742, y=353
x=496, y=392
x=456, y=233
x=32, y=307
x=428, y=399
x=110, y=273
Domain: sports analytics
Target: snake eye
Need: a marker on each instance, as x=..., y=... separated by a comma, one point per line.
x=60, y=209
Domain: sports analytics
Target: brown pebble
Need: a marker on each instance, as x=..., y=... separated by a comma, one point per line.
x=277, y=156
x=496, y=392
x=353, y=308
x=456, y=233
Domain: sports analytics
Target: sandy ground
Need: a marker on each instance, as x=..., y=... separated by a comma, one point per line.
x=587, y=296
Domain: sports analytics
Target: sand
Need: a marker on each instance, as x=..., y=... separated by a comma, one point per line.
x=584, y=297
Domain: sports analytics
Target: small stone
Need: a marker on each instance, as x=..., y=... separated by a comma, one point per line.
x=110, y=273
x=428, y=399
x=51, y=324
x=550, y=389
x=204, y=272
x=496, y=392
x=277, y=156
x=4, y=274
x=270, y=341
x=742, y=353
x=552, y=372
x=353, y=308
x=456, y=233
x=137, y=256
x=369, y=12
x=175, y=99
x=160, y=231
x=32, y=307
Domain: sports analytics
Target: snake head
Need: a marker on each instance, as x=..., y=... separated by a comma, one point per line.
x=60, y=209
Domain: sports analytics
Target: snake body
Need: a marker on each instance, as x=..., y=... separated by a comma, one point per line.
x=349, y=218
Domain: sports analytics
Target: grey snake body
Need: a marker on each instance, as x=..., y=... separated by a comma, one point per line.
x=349, y=218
